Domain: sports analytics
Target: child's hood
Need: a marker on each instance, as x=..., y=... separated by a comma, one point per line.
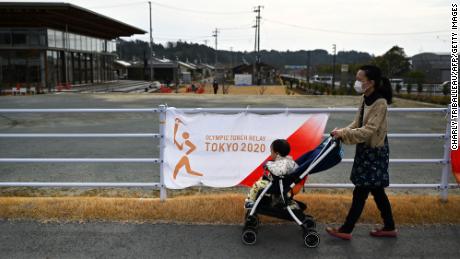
x=281, y=165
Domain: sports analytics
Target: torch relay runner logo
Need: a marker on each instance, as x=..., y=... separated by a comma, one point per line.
x=184, y=160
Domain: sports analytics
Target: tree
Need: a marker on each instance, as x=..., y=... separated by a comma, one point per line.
x=416, y=77
x=394, y=63
x=445, y=88
x=130, y=50
x=419, y=88
x=398, y=88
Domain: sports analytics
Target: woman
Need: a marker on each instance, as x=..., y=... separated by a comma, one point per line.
x=370, y=168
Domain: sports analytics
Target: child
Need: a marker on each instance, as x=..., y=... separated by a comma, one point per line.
x=281, y=164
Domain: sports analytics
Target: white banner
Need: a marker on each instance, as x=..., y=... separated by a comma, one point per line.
x=243, y=79
x=227, y=150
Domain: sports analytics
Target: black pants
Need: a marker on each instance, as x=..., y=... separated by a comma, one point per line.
x=360, y=195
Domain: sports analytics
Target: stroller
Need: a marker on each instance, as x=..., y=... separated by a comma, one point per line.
x=276, y=200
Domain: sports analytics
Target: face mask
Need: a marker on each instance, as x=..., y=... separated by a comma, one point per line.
x=358, y=87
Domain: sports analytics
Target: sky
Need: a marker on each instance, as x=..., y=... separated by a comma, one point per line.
x=372, y=26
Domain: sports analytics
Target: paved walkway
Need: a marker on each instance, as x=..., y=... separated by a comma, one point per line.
x=124, y=240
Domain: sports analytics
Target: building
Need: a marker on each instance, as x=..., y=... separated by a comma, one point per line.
x=267, y=73
x=187, y=72
x=164, y=70
x=204, y=71
x=48, y=44
x=121, y=68
x=435, y=66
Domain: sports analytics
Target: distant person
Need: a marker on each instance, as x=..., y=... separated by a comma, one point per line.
x=193, y=87
x=215, y=86
x=370, y=167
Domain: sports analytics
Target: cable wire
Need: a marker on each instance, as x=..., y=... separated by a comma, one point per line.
x=116, y=5
x=199, y=11
x=352, y=33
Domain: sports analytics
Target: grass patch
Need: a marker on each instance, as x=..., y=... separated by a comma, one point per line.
x=438, y=99
x=226, y=208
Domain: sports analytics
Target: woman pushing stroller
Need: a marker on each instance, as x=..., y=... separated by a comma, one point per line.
x=370, y=168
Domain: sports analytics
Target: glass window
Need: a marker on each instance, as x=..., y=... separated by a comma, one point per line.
x=51, y=38
x=52, y=73
x=66, y=40
x=68, y=59
x=114, y=47
x=59, y=39
x=72, y=41
x=22, y=67
x=5, y=38
x=101, y=45
x=19, y=38
x=42, y=38
x=93, y=44
x=83, y=43
x=34, y=39
x=98, y=45
x=77, y=42
x=88, y=43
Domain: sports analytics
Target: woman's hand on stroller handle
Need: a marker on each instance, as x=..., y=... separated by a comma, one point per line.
x=336, y=133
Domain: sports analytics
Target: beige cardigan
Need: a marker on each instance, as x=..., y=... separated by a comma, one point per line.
x=374, y=129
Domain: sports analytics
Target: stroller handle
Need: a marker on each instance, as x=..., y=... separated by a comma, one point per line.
x=330, y=144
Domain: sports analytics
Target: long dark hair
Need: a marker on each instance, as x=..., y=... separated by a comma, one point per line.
x=382, y=84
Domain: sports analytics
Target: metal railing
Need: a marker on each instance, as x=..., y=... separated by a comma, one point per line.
x=443, y=186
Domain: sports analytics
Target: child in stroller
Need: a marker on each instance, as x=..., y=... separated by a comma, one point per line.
x=276, y=197
x=281, y=164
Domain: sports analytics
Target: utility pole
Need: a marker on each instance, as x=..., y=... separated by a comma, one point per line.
x=151, y=44
x=66, y=56
x=257, y=10
x=231, y=57
x=206, y=52
x=215, y=34
x=254, y=69
x=176, y=75
x=333, y=65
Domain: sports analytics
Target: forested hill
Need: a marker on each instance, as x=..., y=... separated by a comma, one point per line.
x=193, y=52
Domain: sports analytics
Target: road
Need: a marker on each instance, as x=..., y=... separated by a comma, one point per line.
x=21, y=239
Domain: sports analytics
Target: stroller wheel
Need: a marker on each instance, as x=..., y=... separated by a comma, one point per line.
x=252, y=222
x=311, y=239
x=249, y=237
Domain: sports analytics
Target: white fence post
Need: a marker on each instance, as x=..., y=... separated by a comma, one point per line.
x=163, y=193
x=446, y=163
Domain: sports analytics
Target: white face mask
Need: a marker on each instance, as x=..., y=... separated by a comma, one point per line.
x=358, y=87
